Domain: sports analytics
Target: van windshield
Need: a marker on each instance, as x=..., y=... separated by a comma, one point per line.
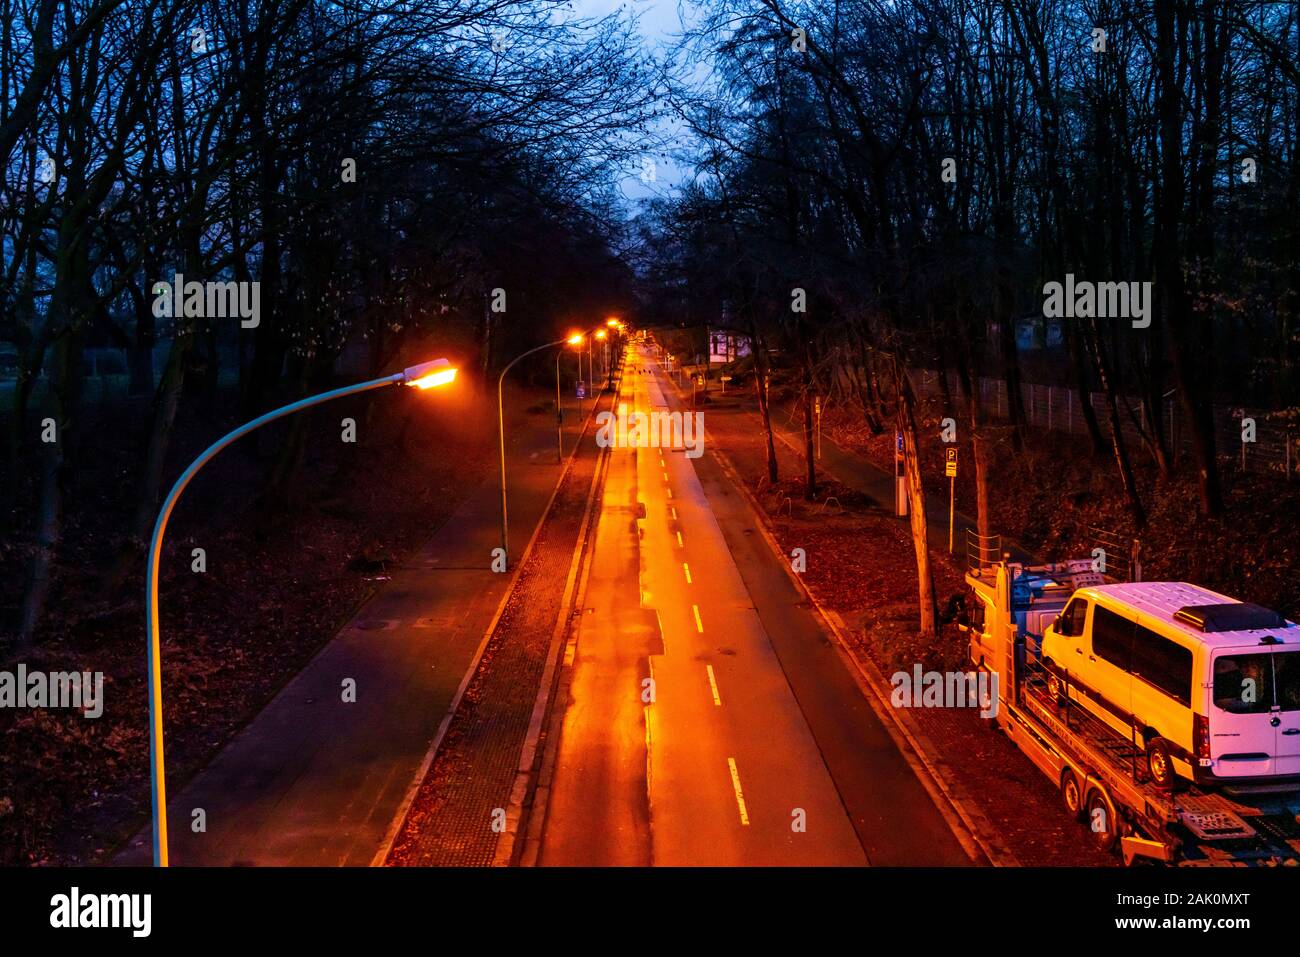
x=1255, y=683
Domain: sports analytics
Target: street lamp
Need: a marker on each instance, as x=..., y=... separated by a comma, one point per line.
x=605, y=354
x=615, y=325
x=501, y=427
x=426, y=375
x=590, y=358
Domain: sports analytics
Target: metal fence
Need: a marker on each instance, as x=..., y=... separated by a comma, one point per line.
x=1273, y=451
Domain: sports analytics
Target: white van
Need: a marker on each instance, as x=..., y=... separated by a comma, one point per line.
x=1209, y=686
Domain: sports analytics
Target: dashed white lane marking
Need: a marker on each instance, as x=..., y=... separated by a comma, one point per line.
x=680, y=543
x=665, y=476
x=699, y=625
x=740, y=795
x=687, y=569
x=674, y=511
x=713, y=684
x=670, y=495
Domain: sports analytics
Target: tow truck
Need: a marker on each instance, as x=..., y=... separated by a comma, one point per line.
x=1101, y=775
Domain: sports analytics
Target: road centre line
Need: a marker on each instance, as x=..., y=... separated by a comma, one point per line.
x=713, y=684
x=740, y=795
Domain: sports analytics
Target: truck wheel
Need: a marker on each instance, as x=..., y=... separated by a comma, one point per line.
x=1101, y=821
x=1071, y=795
x=1160, y=763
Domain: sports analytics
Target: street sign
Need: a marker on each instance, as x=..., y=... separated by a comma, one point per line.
x=900, y=478
x=817, y=409
x=582, y=390
x=950, y=465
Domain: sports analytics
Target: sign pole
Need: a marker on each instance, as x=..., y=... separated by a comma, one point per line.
x=900, y=479
x=952, y=494
x=950, y=469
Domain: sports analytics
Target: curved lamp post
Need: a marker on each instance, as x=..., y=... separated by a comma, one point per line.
x=426, y=375
x=501, y=428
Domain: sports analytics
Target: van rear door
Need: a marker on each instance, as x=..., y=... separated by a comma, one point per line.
x=1286, y=680
x=1244, y=720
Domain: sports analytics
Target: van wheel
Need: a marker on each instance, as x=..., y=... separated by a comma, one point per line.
x=1071, y=795
x=1101, y=821
x=1160, y=763
x=1055, y=689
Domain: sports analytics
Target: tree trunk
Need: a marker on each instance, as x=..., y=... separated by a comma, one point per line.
x=916, y=504
x=760, y=384
x=54, y=459
x=1118, y=445
x=1169, y=267
x=809, y=450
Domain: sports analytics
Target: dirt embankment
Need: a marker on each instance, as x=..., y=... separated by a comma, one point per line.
x=1049, y=494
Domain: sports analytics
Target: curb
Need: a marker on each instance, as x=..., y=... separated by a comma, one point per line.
x=519, y=815
x=539, y=807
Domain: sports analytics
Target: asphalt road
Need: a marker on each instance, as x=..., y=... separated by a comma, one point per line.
x=711, y=722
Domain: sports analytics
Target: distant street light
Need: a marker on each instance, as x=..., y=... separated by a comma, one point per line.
x=426, y=375
x=615, y=324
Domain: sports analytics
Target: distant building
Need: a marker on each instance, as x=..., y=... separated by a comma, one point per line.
x=726, y=346
x=1038, y=333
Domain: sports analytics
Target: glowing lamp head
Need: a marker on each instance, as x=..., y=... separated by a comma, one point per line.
x=428, y=375
x=575, y=340
x=612, y=322
x=601, y=334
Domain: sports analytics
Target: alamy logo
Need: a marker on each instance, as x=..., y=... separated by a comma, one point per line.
x=644, y=430
x=76, y=909
x=1100, y=300
x=209, y=300
x=59, y=689
x=945, y=689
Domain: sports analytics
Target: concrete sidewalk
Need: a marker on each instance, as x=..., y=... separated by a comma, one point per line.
x=316, y=779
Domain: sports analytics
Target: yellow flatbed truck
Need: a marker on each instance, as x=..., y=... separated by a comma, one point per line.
x=1101, y=776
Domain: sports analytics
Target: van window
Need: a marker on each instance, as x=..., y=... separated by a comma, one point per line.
x=1164, y=663
x=1071, y=621
x=1112, y=637
x=1252, y=684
